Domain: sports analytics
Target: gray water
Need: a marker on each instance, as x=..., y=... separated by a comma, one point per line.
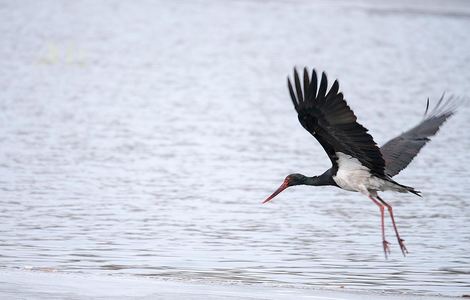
x=140, y=139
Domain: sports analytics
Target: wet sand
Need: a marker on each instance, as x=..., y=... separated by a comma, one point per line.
x=52, y=285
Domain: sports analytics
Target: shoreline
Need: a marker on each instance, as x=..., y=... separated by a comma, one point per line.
x=24, y=284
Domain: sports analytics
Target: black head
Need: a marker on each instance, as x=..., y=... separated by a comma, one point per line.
x=291, y=180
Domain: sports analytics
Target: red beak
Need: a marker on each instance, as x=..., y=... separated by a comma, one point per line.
x=283, y=186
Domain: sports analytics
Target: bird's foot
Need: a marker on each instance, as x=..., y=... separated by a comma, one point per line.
x=401, y=242
x=386, y=248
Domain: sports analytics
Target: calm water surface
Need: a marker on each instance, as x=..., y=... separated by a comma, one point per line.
x=140, y=139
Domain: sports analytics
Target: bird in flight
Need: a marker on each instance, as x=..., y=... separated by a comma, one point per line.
x=358, y=164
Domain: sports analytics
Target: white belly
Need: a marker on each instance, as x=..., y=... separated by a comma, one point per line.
x=353, y=176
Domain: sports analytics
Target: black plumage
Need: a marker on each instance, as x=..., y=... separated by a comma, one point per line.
x=400, y=151
x=329, y=119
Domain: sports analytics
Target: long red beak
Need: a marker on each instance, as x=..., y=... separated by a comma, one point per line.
x=283, y=186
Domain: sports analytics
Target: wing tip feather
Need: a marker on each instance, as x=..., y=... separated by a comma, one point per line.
x=292, y=94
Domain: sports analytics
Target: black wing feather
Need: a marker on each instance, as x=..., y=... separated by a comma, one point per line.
x=298, y=87
x=313, y=84
x=307, y=91
x=400, y=151
x=329, y=119
x=292, y=94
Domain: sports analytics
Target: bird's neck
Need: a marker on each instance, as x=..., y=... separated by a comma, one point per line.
x=323, y=179
x=314, y=180
x=311, y=180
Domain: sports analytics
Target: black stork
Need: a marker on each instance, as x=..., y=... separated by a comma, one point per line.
x=358, y=164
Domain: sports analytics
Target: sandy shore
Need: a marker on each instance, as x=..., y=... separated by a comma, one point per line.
x=51, y=285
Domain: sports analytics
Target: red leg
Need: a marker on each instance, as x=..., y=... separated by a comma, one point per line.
x=384, y=242
x=401, y=242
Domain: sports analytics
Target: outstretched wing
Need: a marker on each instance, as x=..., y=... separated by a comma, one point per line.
x=327, y=116
x=400, y=151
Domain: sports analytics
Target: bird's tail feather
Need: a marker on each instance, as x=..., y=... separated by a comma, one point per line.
x=405, y=188
x=412, y=190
